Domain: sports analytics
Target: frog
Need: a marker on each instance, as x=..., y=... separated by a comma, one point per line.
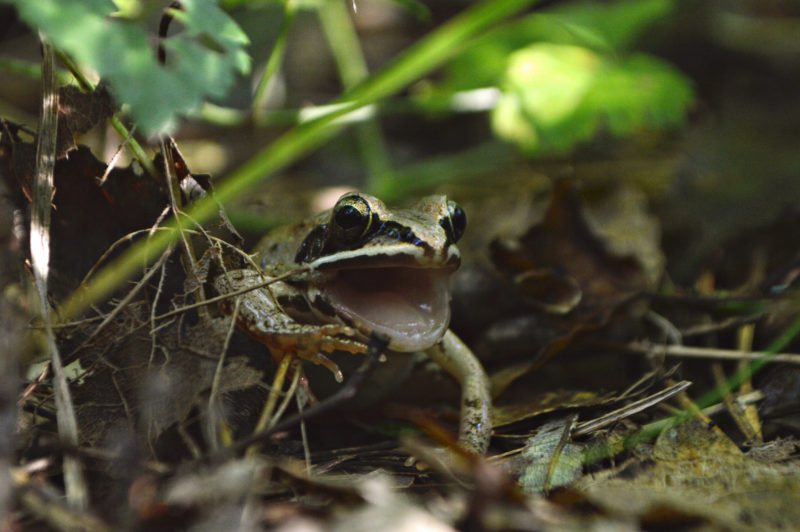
x=362, y=268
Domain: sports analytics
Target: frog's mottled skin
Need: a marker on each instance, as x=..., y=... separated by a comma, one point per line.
x=364, y=268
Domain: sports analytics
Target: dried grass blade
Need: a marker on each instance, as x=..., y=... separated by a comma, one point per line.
x=77, y=493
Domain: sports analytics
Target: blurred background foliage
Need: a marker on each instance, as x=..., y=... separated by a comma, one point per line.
x=690, y=101
x=558, y=76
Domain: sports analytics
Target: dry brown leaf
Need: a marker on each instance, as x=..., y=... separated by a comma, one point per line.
x=543, y=403
x=78, y=112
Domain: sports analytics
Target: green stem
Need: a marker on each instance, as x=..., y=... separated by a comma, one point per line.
x=274, y=61
x=29, y=69
x=343, y=41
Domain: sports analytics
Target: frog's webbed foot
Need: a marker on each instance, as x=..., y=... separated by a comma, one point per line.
x=313, y=341
x=261, y=317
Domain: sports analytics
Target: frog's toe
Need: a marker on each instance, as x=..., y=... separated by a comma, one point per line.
x=331, y=330
x=332, y=344
x=322, y=360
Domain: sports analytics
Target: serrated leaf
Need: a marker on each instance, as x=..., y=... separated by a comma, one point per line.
x=119, y=50
x=204, y=17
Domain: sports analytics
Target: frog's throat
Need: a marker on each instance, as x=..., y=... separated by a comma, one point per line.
x=409, y=305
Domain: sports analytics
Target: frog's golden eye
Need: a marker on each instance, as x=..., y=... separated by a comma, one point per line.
x=455, y=223
x=351, y=218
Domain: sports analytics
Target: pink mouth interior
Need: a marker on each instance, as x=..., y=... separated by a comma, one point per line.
x=409, y=305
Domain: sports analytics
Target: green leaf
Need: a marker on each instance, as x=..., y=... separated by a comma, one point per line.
x=204, y=18
x=558, y=96
x=640, y=92
x=202, y=60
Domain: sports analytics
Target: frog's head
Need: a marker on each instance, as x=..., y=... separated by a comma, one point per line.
x=385, y=270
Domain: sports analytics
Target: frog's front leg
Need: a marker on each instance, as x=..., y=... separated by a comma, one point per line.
x=475, y=428
x=262, y=318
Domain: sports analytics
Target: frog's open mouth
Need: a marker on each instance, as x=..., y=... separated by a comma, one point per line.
x=409, y=305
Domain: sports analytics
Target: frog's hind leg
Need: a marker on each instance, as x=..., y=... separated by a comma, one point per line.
x=475, y=429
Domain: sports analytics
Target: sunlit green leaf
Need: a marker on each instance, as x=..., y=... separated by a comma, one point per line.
x=640, y=92
x=557, y=96
x=138, y=9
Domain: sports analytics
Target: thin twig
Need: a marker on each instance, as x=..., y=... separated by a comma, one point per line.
x=130, y=236
x=288, y=395
x=173, y=186
x=301, y=399
x=30, y=388
x=729, y=323
x=153, y=327
x=647, y=348
x=375, y=348
x=272, y=399
x=115, y=158
x=630, y=409
x=235, y=293
x=734, y=409
x=670, y=331
x=745, y=339
x=115, y=245
x=125, y=300
x=213, y=409
x=745, y=400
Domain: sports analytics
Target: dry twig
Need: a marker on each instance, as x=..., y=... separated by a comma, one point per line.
x=646, y=348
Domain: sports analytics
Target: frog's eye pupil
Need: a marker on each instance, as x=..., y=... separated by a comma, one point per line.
x=348, y=217
x=456, y=221
x=351, y=219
